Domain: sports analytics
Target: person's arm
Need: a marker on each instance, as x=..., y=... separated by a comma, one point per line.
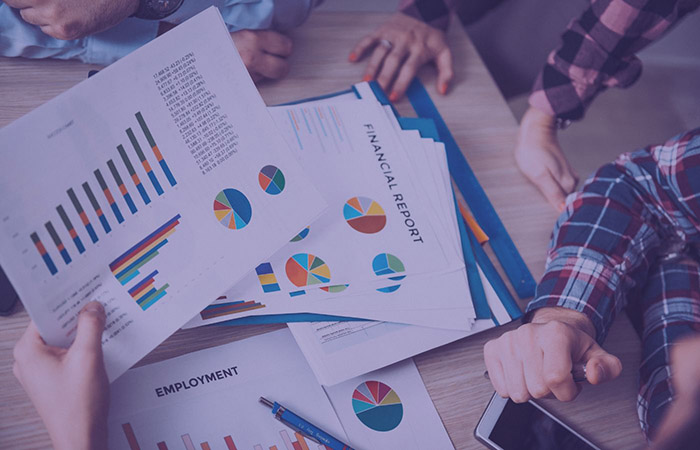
x=602, y=247
x=68, y=387
x=74, y=19
x=597, y=52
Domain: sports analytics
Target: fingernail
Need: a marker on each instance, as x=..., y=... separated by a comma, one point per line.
x=94, y=307
x=352, y=57
x=367, y=78
x=601, y=372
x=393, y=97
x=443, y=88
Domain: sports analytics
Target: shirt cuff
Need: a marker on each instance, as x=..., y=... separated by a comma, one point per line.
x=433, y=12
x=580, y=284
x=111, y=45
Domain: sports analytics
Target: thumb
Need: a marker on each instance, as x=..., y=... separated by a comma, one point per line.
x=443, y=61
x=91, y=324
x=601, y=366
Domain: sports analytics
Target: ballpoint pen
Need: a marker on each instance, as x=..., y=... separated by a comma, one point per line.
x=304, y=427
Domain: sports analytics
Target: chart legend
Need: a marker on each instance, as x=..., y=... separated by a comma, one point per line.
x=364, y=215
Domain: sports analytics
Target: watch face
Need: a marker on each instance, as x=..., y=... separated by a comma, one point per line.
x=164, y=7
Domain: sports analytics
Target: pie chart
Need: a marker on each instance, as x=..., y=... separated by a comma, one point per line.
x=302, y=234
x=271, y=180
x=305, y=269
x=335, y=288
x=377, y=406
x=232, y=209
x=364, y=215
x=387, y=264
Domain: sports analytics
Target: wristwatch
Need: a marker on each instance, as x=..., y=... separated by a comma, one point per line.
x=157, y=9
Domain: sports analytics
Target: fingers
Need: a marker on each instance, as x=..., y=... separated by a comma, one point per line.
x=443, y=61
x=601, y=366
x=33, y=16
x=390, y=66
x=550, y=189
x=375, y=62
x=91, y=324
x=275, y=43
x=365, y=44
x=495, y=368
x=406, y=75
x=270, y=66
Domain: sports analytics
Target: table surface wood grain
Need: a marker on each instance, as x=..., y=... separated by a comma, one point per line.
x=485, y=129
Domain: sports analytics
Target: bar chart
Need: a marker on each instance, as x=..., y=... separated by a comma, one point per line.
x=129, y=264
x=96, y=192
x=294, y=442
x=228, y=308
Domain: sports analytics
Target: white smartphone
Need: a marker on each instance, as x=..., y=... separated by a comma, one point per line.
x=506, y=425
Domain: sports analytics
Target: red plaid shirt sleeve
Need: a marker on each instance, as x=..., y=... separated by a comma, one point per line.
x=605, y=242
x=598, y=51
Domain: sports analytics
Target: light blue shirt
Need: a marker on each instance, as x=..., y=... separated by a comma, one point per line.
x=18, y=38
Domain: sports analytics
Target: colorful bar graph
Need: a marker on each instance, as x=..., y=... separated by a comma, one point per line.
x=144, y=162
x=229, y=443
x=131, y=437
x=57, y=240
x=122, y=188
x=145, y=292
x=132, y=173
x=71, y=230
x=96, y=207
x=225, y=309
x=44, y=254
x=108, y=195
x=187, y=440
x=127, y=266
x=267, y=278
x=156, y=151
x=83, y=217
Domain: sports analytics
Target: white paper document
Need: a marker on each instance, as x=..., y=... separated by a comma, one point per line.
x=152, y=187
x=209, y=399
x=389, y=409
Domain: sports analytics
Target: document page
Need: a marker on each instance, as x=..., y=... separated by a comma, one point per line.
x=152, y=187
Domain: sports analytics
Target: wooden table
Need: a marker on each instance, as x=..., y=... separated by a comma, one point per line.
x=485, y=130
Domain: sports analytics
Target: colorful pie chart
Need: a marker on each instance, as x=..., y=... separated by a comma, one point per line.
x=271, y=180
x=335, y=288
x=232, y=209
x=304, y=269
x=387, y=264
x=364, y=215
x=302, y=234
x=377, y=406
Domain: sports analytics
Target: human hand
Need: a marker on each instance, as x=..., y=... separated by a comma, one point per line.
x=68, y=387
x=536, y=359
x=264, y=52
x=412, y=44
x=680, y=428
x=74, y=19
x=541, y=159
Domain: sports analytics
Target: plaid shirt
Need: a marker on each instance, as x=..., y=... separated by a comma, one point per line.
x=608, y=239
x=597, y=49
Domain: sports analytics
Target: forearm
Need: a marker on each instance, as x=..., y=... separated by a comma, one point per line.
x=598, y=51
